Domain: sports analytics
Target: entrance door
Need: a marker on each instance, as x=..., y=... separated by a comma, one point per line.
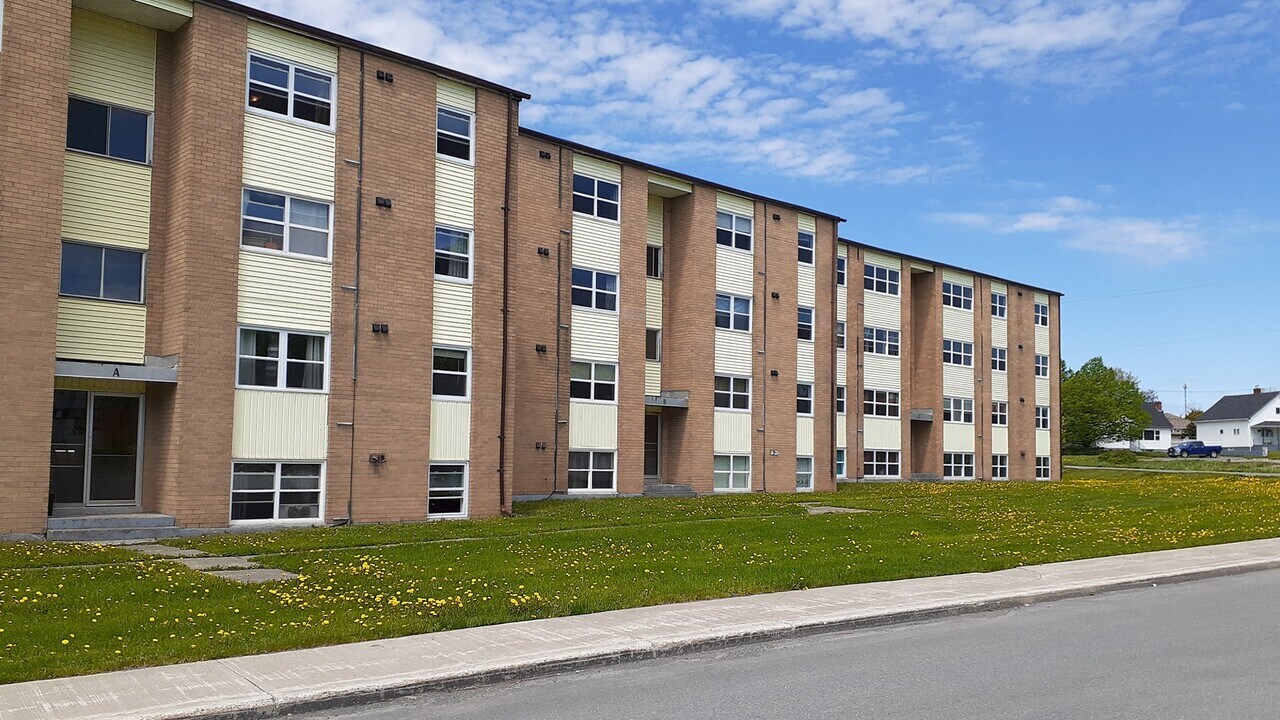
x=652, y=445
x=95, y=448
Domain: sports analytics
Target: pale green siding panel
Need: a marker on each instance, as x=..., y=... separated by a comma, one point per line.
x=177, y=7
x=285, y=292
x=652, y=378
x=881, y=433
x=1042, y=298
x=654, y=229
x=804, y=361
x=597, y=168
x=593, y=426
x=597, y=244
x=731, y=432
x=1000, y=333
x=842, y=365
x=806, y=285
x=293, y=47
x=1000, y=441
x=594, y=336
x=451, y=93
x=885, y=261
x=1044, y=442
x=276, y=425
x=882, y=311
x=653, y=303
x=1042, y=391
x=735, y=272
x=953, y=276
x=1042, y=340
x=733, y=353
x=113, y=61
x=880, y=373
x=451, y=314
x=957, y=324
x=958, y=438
x=807, y=223
x=999, y=287
x=957, y=382
x=842, y=250
x=101, y=331
x=735, y=204
x=804, y=436
x=842, y=439
x=842, y=303
x=670, y=183
x=450, y=431
x=288, y=158
x=106, y=201
x=1000, y=386
x=455, y=194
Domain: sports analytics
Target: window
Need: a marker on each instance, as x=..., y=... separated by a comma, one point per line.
x=593, y=381
x=958, y=466
x=449, y=372
x=1150, y=435
x=453, y=253
x=840, y=399
x=733, y=313
x=955, y=352
x=1042, y=417
x=806, y=248
x=804, y=474
x=1042, y=315
x=446, y=490
x=840, y=335
x=455, y=133
x=275, y=491
x=1000, y=359
x=957, y=410
x=305, y=359
x=590, y=471
x=804, y=399
x=653, y=344
x=285, y=89
x=881, y=280
x=733, y=393
x=882, y=464
x=957, y=296
x=1042, y=366
x=999, y=305
x=840, y=462
x=804, y=324
x=595, y=289
x=842, y=272
x=285, y=224
x=880, y=403
x=999, y=467
x=733, y=230
x=1042, y=468
x=652, y=445
x=595, y=197
x=732, y=473
x=653, y=261
x=877, y=341
x=108, y=130
x=1000, y=413
x=91, y=271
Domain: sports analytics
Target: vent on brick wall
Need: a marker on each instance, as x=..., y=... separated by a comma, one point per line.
x=383, y=202
x=386, y=77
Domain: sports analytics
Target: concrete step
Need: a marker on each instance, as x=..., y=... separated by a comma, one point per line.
x=111, y=522
x=111, y=534
x=669, y=490
x=925, y=477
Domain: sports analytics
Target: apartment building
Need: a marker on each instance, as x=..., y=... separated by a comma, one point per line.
x=223, y=305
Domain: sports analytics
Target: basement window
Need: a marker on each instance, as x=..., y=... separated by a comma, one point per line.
x=275, y=491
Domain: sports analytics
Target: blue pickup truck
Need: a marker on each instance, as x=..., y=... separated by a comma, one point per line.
x=1195, y=448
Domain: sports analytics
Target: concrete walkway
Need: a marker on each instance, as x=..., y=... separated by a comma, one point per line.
x=270, y=685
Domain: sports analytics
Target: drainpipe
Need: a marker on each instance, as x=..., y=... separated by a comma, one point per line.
x=355, y=325
x=506, y=307
x=764, y=360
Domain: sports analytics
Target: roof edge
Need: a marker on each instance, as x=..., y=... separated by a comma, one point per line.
x=971, y=271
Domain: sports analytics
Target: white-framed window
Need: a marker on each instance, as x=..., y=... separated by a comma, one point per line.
x=447, y=490
x=1042, y=366
x=732, y=393
x=261, y=353
x=1042, y=468
x=263, y=491
x=450, y=373
x=957, y=466
x=289, y=225
x=881, y=403
x=455, y=134
x=881, y=464
x=733, y=230
x=840, y=334
x=999, y=413
x=1042, y=417
x=805, y=241
x=733, y=312
x=804, y=323
x=653, y=262
x=999, y=306
x=881, y=279
x=732, y=473
x=1000, y=359
x=841, y=472
x=591, y=471
x=1151, y=435
x=841, y=399
x=957, y=352
x=279, y=87
x=804, y=474
x=594, y=289
x=1042, y=314
x=108, y=130
x=102, y=273
x=878, y=341
x=653, y=344
x=957, y=296
x=596, y=197
x=804, y=398
x=999, y=467
x=842, y=272
x=453, y=253
x=957, y=410
x=593, y=381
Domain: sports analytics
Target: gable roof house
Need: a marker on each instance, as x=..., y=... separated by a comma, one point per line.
x=1157, y=436
x=1243, y=422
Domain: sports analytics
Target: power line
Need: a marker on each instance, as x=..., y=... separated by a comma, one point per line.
x=1176, y=288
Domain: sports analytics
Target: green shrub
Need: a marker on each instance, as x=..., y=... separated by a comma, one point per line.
x=1119, y=457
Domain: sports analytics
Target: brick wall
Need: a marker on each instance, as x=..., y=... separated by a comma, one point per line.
x=776, y=257
x=631, y=331
x=982, y=378
x=925, y=370
x=1022, y=384
x=824, y=412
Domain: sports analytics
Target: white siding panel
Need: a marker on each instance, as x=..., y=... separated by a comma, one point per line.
x=1000, y=386
x=594, y=336
x=999, y=287
x=106, y=201
x=593, y=426
x=597, y=168
x=842, y=432
x=653, y=303
x=881, y=434
x=680, y=187
x=804, y=436
x=101, y=331
x=887, y=261
x=882, y=311
x=842, y=303
x=450, y=430
x=735, y=272
x=1042, y=391
x=807, y=223
x=597, y=244
x=1042, y=340
x=804, y=361
x=732, y=432
x=806, y=293
x=451, y=313
x=1042, y=298
x=842, y=250
x=274, y=425
x=735, y=204
x=284, y=292
x=733, y=352
x=455, y=94
x=652, y=378
x=842, y=367
x=958, y=438
x=957, y=324
x=654, y=228
x=1043, y=442
x=455, y=194
x=288, y=158
x=1000, y=441
x=291, y=46
x=880, y=373
x=112, y=61
x=957, y=381
x=954, y=276
x=1000, y=333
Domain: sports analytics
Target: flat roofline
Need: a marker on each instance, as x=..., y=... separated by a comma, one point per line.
x=336, y=39
x=622, y=159
x=949, y=266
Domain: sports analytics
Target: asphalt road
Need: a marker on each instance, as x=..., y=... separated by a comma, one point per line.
x=1207, y=649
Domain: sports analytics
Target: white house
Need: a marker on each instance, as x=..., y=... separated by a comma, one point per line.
x=1242, y=421
x=1157, y=436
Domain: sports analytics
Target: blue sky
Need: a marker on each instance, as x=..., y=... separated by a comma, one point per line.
x=1125, y=154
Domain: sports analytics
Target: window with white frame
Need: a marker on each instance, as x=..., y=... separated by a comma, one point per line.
x=1042, y=468
x=957, y=466
x=999, y=467
x=653, y=262
x=999, y=413
x=881, y=403
x=733, y=312
x=840, y=333
x=804, y=474
x=450, y=373
x=804, y=323
x=594, y=289
x=455, y=134
x=957, y=410
x=591, y=471
x=842, y=271
x=732, y=473
x=957, y=352
x=283, y=88
x=733, y=230
x=881, y=279
x=593, y=381
x=1000, y=359
x=108, y=130
x=1042, y=366
x=1042, y=417
x=733, y=393
x=881, y=464
x=447, y=490
x=305, y=358
x=999, y=305
x=805, y=240
x=878, y=341
x=102, y=273
x=271, y=221
x=1151, y=435
x=957, y=296
x=653, y=344
x=595, y=197
x=841, y=472
x=841, y=393
x=453, y=253
x=1042, y=314
x=275, y=491
x=804, y=398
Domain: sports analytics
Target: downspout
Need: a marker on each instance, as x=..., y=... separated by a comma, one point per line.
x=355, y=325
x=764, y=360
x=506, y=309
x=560, y=328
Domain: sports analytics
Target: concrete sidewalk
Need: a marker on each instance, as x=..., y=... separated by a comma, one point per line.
x=270, y=685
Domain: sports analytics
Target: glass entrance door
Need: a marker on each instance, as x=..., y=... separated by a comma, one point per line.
x=652, y=445
x=95, y=458
x=67, y=464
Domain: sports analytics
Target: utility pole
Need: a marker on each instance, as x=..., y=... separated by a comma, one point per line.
x=1184, y=400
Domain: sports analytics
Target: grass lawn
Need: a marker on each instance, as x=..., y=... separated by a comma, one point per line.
x=68, y=610
x=1236, y=465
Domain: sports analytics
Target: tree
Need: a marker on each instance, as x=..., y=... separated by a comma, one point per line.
x=1192, y=416
x=1100, y=404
